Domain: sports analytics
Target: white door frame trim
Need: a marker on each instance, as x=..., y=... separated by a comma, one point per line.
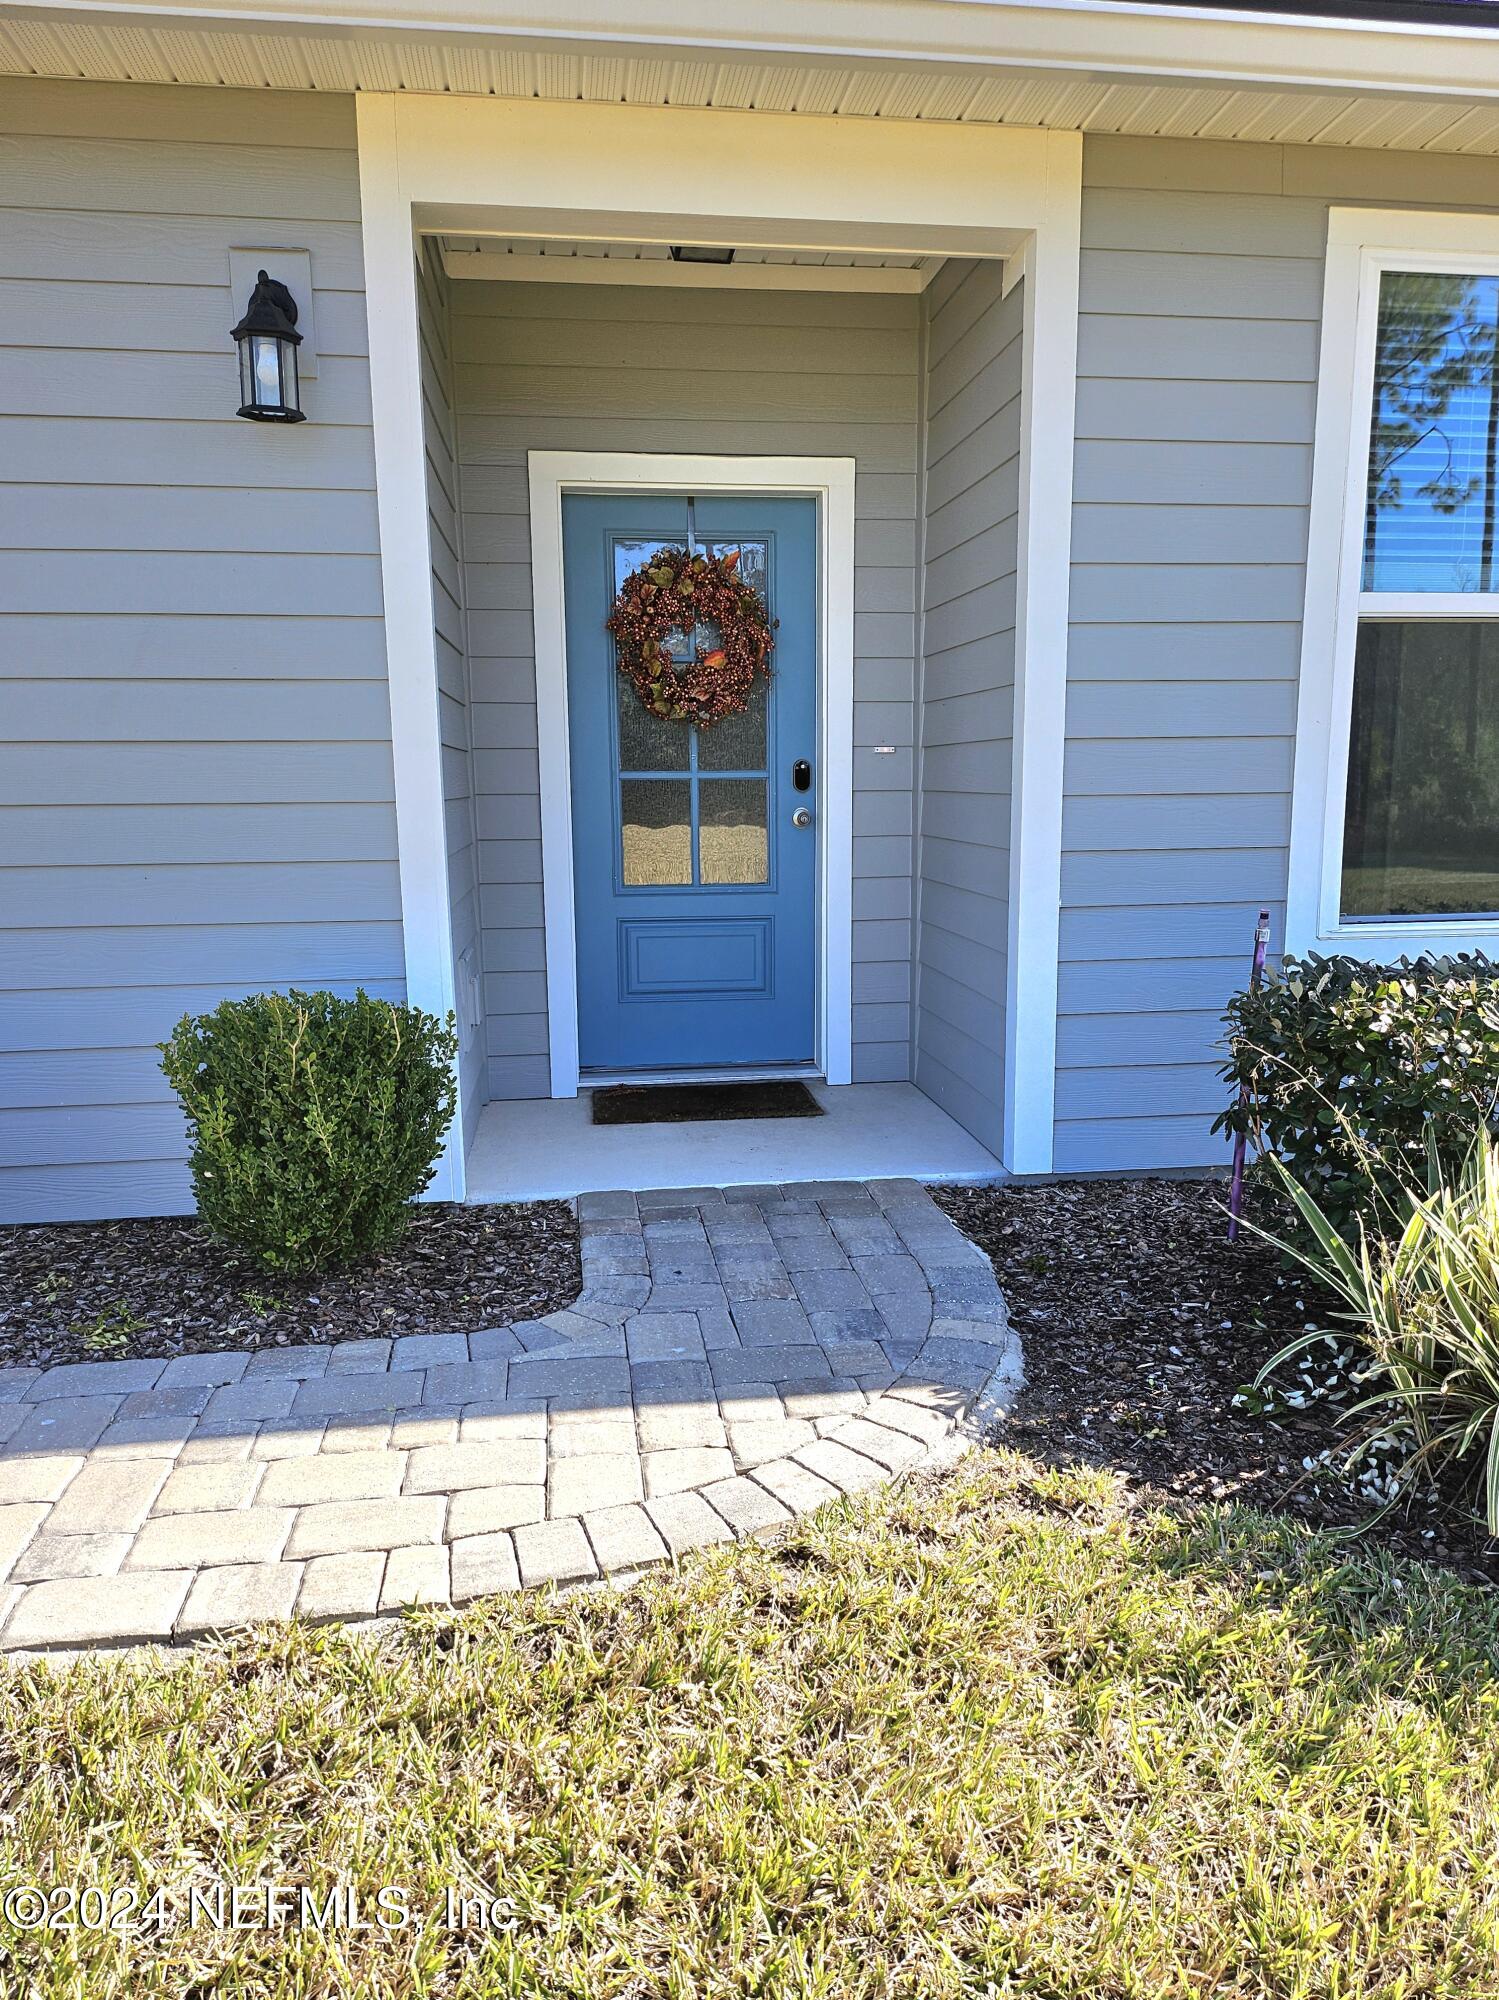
x=830, y=481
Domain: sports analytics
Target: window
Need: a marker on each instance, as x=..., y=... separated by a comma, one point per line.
x=1395, y=825
x=1421, y=819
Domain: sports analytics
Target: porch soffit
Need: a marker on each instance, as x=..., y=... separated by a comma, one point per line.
x=532, y=260
x=1445, y=99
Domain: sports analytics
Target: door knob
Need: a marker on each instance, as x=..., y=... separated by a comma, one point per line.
x=801, y=817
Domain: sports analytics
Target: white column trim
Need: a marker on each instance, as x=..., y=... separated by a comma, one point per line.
x=406, y=578
x=831, y=482
x=460, y=164
x=1048, y=407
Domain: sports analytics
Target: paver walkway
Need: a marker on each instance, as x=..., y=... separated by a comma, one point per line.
x=736, y=1357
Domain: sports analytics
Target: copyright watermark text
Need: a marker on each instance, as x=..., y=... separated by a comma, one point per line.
x=246, y=1906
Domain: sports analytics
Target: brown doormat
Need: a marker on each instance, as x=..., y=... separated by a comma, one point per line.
x=690, y=1103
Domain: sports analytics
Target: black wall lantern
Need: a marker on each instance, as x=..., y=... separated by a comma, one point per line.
x=268, y=340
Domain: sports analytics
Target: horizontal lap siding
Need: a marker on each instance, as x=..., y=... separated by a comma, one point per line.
x=541, y=367
x=972, y=502
x=195, y=773
x=1202, y=278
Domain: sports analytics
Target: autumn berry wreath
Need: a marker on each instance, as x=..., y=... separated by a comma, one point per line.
x=685, y=593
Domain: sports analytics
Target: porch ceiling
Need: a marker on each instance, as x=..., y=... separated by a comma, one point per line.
x=579, y=250
x=754, y=266
x=278, y=56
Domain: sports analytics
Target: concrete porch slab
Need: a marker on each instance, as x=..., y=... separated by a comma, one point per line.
x=533, y=1149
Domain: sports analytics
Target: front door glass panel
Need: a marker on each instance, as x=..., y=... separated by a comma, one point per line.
x=715, y=834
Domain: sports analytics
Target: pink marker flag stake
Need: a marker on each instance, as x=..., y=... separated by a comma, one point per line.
x=1236, y=1185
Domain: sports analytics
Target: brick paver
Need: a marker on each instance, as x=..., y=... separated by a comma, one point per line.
x=686, y=1521
x=554, y=1552
x=485, y=1510
x=417, y=1575
x=239, y=1594
x=342, y=1586
x=482, y=1565
x=736, y=1357
x=108, y=1497
x=593, y=1480
x=50, y=1555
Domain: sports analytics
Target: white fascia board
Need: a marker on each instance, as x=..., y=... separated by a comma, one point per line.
x=536, y=167
x=1099, y=38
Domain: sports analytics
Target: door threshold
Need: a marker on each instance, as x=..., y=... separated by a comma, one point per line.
x=791, y=1072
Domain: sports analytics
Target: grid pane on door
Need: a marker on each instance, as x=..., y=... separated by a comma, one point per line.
x=693, y=802
x=737, y=742
x=655, y=821
x=733, y=838
x=647, y=742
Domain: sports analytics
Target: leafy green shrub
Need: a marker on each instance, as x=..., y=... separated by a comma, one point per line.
x=1356, y=1070
x=314, y=1120
x=1425, y=1304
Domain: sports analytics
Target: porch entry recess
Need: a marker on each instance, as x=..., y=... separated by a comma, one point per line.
x=694, y=850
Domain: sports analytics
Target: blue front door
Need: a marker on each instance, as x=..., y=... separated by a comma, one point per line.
x=695, y=886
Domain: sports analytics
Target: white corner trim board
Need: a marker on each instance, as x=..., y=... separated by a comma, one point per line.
x=1361, y=245
x=1049, y=269
x=831, y=482
x=406, y=579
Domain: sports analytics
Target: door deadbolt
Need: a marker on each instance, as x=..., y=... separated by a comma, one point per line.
x=801, y=817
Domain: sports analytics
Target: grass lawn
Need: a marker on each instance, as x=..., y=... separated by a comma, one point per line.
x=1009, y=1734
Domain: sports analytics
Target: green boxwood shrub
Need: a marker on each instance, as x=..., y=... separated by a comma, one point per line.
x=1355, y=1069
x=314, y=1121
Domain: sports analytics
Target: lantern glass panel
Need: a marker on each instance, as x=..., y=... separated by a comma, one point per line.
x=267, y=362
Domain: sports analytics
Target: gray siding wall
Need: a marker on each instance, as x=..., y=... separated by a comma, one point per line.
x=454, y=725
x=1201, y=297
x=195, y=782
x=614, y=368
x=971, y=489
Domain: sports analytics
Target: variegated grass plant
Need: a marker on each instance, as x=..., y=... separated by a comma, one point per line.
x=1423, y=1300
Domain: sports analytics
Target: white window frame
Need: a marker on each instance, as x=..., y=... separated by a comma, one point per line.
x=1362, y=244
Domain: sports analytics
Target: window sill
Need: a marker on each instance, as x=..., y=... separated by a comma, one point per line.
x=1382, y=939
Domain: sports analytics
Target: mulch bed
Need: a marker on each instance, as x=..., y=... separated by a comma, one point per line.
x=114, y=1291
x=1139, y=1323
